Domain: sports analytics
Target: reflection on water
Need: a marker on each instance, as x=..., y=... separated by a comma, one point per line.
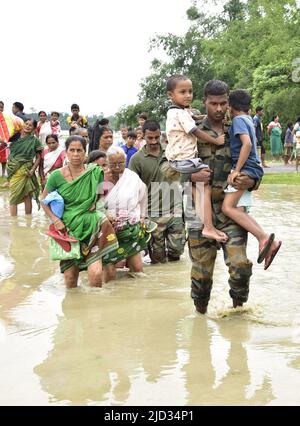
x=218, y=370
x=138, y=341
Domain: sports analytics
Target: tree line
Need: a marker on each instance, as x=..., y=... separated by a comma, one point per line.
x=251, y=44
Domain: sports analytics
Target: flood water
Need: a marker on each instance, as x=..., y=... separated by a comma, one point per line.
x=138, y=340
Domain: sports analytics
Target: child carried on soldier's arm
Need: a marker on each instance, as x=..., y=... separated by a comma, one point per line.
x=245, y=159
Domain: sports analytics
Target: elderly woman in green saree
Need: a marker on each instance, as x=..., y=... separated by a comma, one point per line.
x=79, y=185
x=24, y=159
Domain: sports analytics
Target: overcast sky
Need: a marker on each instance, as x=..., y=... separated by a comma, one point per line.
x=92, y=52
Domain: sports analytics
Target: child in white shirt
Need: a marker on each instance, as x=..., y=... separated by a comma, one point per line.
x=181, y=151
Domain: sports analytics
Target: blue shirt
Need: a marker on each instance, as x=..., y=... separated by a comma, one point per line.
x=243, y=125
x=129, y=152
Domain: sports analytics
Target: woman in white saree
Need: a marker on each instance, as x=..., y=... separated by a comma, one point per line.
x=52, y=158
x=125, y=204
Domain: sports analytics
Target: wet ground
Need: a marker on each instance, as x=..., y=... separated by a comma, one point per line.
x=138, y=341
x=279, y=167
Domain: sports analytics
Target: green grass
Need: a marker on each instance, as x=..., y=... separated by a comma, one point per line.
x=282, y=178
x=270, y=178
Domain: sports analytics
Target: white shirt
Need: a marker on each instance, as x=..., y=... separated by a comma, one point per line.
x=182, y=144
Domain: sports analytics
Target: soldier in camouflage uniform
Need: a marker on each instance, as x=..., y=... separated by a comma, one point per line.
x=168, y=239
x=203, y=251
x=164, y=198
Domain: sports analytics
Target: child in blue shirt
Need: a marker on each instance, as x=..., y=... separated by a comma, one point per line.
x=245, y=159
x=129, y=147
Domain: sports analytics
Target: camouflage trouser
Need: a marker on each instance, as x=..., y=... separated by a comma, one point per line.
x=168, y=239
x=203, y=254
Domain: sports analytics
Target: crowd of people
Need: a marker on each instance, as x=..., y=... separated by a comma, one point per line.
x=284, y=141
x=125, y=198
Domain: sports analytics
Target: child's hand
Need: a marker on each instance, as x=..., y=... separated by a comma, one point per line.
x=233, y=175
x=220, y=140
x=198, y=117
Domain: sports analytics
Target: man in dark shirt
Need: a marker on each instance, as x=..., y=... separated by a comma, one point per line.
x=17, y=109
x=164, y=198
x=259, y=134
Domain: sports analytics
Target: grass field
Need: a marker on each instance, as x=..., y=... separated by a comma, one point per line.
x=270, y=178
x=282, y=178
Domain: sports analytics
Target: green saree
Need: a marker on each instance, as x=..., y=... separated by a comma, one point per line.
x=20, y=161
x=132, y=240
x=275, y=141
x=90, y=228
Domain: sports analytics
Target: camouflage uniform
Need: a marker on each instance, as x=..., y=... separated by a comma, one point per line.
x=203, y=251
x=170, y=235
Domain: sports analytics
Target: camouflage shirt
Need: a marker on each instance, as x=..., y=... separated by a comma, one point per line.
x=218, y=158
x=164, y=195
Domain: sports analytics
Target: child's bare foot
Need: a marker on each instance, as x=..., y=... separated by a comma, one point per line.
x=214, y=234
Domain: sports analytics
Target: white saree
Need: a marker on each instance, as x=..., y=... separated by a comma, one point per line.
x=127, y=200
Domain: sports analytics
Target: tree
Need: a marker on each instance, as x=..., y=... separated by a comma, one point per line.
x=235, y=10
x=250, y=44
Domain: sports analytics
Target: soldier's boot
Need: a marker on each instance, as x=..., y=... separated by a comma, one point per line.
x=172, y=258
x=202, y=309
x=236, y=303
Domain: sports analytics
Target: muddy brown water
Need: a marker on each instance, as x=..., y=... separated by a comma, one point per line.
x=138, y=340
